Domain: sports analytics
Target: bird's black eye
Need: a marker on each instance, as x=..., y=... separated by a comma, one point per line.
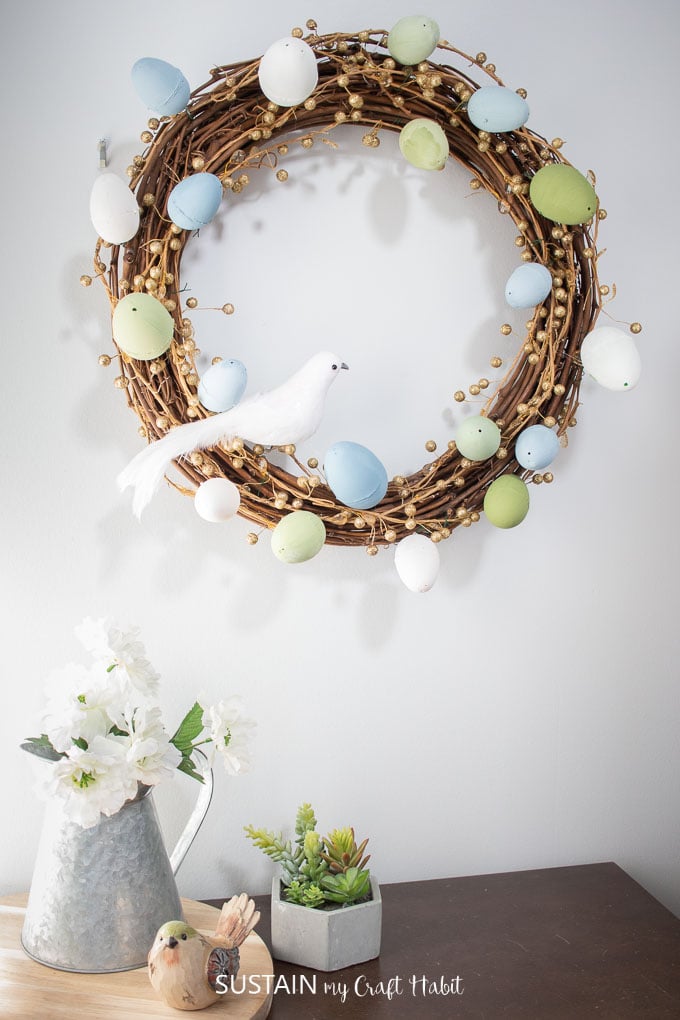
x=334, y=367
x=184, y=936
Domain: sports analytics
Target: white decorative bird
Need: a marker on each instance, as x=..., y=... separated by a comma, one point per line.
x=290, y=413
x=191, y=971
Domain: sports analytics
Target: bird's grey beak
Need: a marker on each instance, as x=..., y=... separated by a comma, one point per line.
x=172, y=941
x=344, y=365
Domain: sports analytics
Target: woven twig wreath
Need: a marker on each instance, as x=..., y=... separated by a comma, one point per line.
x=229, y=128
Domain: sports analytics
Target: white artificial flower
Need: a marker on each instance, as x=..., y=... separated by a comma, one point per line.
x=148, y=750
x=112, y=646
x=79, y=703
x=230, y=732
x=94, y=782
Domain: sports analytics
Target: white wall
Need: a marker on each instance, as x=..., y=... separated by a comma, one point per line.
x=524, y=713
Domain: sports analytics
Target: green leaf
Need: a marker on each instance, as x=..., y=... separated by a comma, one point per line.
x=189, y=728
x=187, y=766
x=42, y=747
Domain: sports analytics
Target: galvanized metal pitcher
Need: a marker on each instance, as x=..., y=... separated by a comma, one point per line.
x=99, y=895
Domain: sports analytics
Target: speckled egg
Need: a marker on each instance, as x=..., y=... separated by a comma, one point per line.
x=161, y=87
x=423, y=143
x=528, y=286
x=288, y=72
x=298, y=537
x=194, y=201
x=413, y=39
x=113, y=209
x=217, y=500
x=478, y=438
x=222, y=385
x=417, y=560
x=506, y=502
x=355, y=475
x=494, y=108
x=611, y=357
x=536, y=447
x=562, y=194
x=142, y=326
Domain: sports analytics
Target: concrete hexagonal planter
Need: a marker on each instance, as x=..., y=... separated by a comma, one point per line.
x=326, y=939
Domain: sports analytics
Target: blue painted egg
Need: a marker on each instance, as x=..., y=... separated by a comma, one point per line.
x=160, y=86
x=355, y=475
x=536, y=447
x=528, y=285
x=494, y=108
x=222, y=385
x=194, y=201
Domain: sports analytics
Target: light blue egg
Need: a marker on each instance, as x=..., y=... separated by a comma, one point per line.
x=494, y=108
x=222, y=385
x=355, y=475
x=160, y=86
x=194, y=201
x=536, y=447
x=528, y=286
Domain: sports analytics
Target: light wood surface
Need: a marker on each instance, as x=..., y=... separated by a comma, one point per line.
x=31, y=991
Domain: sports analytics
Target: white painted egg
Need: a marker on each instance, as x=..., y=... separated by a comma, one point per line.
x=355, y=475
x=494, y=108
x=113, y=209
x=536, y=447
x=222, y=385
x=610, y=356
x=161, y=87
x=417, y=560
x=217, y=500
x=194, y=201
x=288, y=72
x=528, y=285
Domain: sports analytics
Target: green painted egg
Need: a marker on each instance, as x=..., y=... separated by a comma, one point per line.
x=413, y=39
x=506, y=503
x=142, y=326
x=424, y=144
x=562, y=194
x=298, y=537
x=478, y=438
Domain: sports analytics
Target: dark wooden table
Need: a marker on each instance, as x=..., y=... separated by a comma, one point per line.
x=557, y=944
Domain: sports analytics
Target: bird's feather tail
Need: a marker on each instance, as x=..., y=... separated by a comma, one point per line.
x=145, y=472
x=237, y=920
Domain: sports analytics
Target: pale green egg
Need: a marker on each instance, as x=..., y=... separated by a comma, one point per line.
x=142, y=326
x=413, y=39
x=424, y=144
x=298, y=537
x=506, y=503
x=562, y=194
x=478, y=438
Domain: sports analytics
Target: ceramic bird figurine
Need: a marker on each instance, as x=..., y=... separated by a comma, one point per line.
x=192, y=971
x=290, y=413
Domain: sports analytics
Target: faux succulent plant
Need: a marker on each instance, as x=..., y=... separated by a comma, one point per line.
x=317, y=871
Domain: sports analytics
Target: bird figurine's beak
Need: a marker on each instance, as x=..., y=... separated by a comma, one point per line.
x=344, y=365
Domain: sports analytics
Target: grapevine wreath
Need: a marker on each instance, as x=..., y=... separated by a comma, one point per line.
x=247, y=117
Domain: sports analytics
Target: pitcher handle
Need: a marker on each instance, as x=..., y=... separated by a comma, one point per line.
x=194, y=823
